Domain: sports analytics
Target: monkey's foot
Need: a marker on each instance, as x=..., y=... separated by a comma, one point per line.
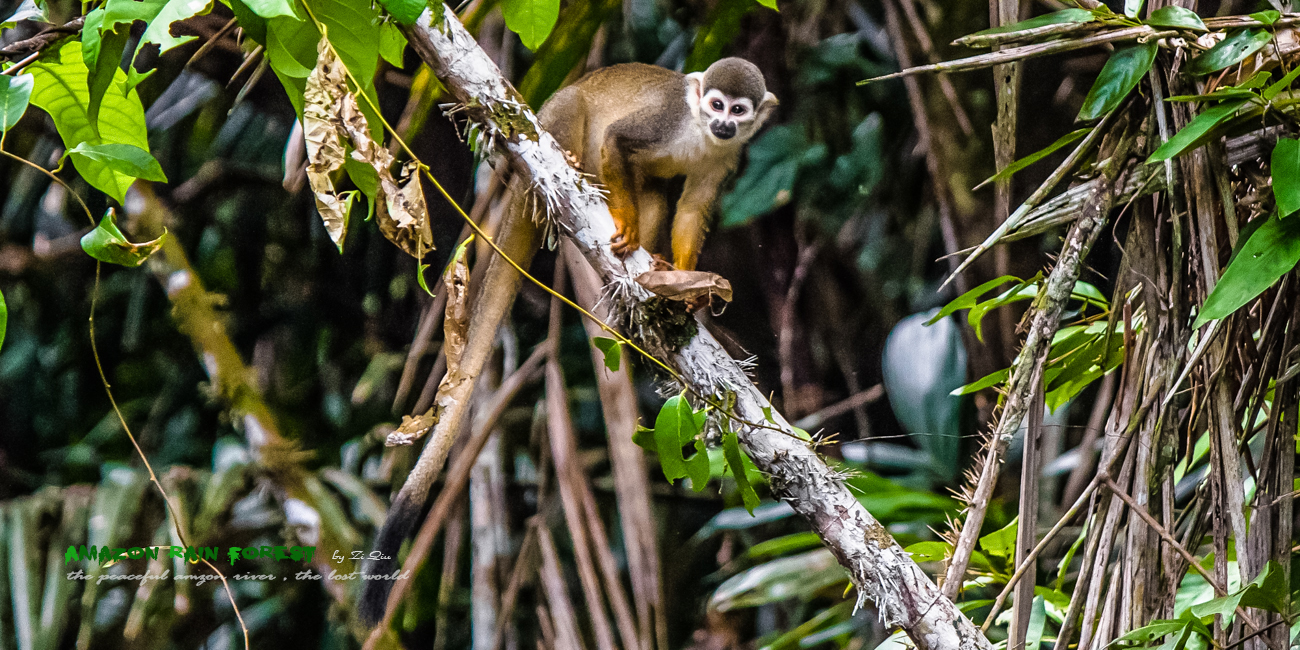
x=624, y=240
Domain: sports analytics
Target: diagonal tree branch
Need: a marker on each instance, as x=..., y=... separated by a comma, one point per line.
x=879, y=568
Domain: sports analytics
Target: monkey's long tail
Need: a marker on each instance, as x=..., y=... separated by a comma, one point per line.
x=519, y=239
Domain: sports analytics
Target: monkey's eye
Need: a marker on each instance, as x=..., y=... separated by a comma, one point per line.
x=717, y=104
x=737, y=110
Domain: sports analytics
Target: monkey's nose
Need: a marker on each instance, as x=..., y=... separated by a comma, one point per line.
x=723, y=130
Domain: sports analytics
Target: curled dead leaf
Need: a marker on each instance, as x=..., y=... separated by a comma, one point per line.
x=456, y=318
x=696, y=288
x=326, y=86
x=412, y=429
x=331, y=117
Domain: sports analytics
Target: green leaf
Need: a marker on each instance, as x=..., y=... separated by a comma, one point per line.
x=125, y=158
x=159, y=29
x=1285, y=166
x=61, y=90
x=645, y=438
x=720, y=27
x=102, y=52
x=532, y=20
x=405, y=12
x=1196, y=132
x=1231, y=92
x=1037, y=621
x=1055, y=18
x=1283, y=84
x=392, y=44
x=1001, y=543
x=1271, y=251
x=569, y=45
x=1267, y=17
x=419, y=278
x=613, y=351
x=736, y=463
x=1010, y=170
x=1154, y=631
x=4, y=320
x=1122, y=72
x=929, y=551
x=107, y=244
x=1064, y=567
x=990, y=380
x=271, y=8
x=697, y=466
x=1230, y=50
x=770, y=4
x=1176, y=17
x=668, y=441
x=972, y=297
x=15, y=94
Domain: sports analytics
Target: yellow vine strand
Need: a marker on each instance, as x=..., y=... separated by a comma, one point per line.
x=103, y=378
x=707, y=399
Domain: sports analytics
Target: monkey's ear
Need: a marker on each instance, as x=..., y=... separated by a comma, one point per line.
x=694, y=89
x=765, y=108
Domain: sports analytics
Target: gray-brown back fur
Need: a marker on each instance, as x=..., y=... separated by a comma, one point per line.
x=736, y=77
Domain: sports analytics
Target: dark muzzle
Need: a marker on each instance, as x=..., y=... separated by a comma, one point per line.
x=723, y=130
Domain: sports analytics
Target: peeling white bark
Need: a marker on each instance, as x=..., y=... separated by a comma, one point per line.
x=882, y=572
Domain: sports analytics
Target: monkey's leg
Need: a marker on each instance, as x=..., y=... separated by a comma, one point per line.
x=622, y=187
x=518, y=239
x=691, y=220
x=652, y=209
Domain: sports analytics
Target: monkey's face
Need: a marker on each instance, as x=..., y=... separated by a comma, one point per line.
x=729, y=106
x=726, y=116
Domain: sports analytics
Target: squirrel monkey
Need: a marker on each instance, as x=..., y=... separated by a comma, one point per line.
x=637, y=126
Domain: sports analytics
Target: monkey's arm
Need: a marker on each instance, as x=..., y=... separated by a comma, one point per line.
x=622, y=186
x=691, y=220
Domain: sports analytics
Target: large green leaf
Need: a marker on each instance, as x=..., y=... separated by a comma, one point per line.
x=1118, y=77
x=62, y=91
x=1176, y=17
x=405, y=12
x=532, y=20
x=107, y=244
x=718, y=30
x=568, y=46
x=101, y=49
x=271, y=8
x=15, y=94
x=1200, y=129
x=125, y=158
x=159, y=29
x=1001, y=543
x=1010, y=170
x=1230, y=50
x=1055, y=18
x=1286, y=176
x=775, y=159
x=1271, y=251
x=668, y=438
x=612, y=349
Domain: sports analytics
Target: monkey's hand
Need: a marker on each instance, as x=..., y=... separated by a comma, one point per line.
x=625, y=238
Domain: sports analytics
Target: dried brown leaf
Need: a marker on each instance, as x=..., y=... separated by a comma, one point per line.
x=325, y=88
x=456, y=321
x=685, y=286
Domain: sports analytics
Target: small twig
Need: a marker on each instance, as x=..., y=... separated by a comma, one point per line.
x=814, y=420
x=927, y=47
x=43, y=39
x=210, y=43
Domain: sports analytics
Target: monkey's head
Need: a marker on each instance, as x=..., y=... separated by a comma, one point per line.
x=730, y=99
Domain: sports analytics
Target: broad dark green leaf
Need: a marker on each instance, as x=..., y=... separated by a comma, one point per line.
x=532, y=20
x=668, y=441
x=1271, y=251
x=775, y=159
x=15, y=94
x=127, y=159
x=569, y=45
x=1196, y=131
x=1176, y=17
x=1268, y=591
x=61, y=90
x=1118, y=77
x=1010, y=170
x=1286, y=176
x=697, y=466
x=4, y=320
x=404, y=12
x=1154, y=631
x=1230, y=50
x=174, y=11
x=612, y=349
x=645, y=438
x=107, y=244
x=271, y=8
x=989, y=381
x=1055, y=18
x=103, y=57
x=736, y=463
